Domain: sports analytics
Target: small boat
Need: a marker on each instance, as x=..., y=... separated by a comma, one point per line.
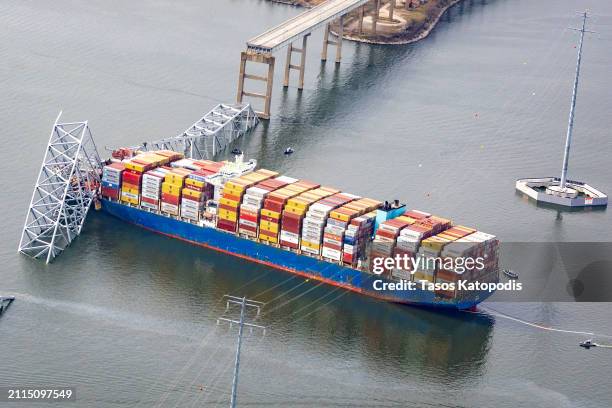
x=236, y=151
x=289, y=151
x=5, y=302
x=510, y=274
x=587, y=344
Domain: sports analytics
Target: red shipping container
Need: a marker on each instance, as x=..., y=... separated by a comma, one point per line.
x=333, y=246
x=289, y=244
x=268, y=233
x=386, y=234
x=110, y=193
x=132, y=177
x=271, y=219
x=232, y=197
x=347, y=257
x=171, y=199
x=228, y=208
x=149, y=200
x=248, y=217
x=226, y=225
x=274, y=205
x=295, y=230
x=248, y=228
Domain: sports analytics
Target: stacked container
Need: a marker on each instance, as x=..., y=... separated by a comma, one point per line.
x=385, y=240
x=294, y=212
x=133, y=174
x=172, y=186
x=231, y=198
x=197, y=191
x=111, y=180
x=151, y=187
x=315, y=222
x=359, y=217
x=337, y=226
x=475, y=245
x=253, y=202
x=270, y=220
x=432, y=247
x=357, y=236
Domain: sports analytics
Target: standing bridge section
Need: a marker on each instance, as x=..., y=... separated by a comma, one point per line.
x=261, y=48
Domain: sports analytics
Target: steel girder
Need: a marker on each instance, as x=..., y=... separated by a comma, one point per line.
x=67, y=184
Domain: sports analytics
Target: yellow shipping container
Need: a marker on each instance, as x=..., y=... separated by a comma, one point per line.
x=339, y=216
x=294, y=210
x=139, y=167
x=419, y=276
x=313, y=245
x=131, y=190
x=131, y=200
x=270, y=213
x=409, y=220
x=171, y=189
x=268, y=226
x=187, y=192
x=227, y=215
x=227, y=201
x=297, y=203
x=435, y=242
x=195, y=183
x=269, y=239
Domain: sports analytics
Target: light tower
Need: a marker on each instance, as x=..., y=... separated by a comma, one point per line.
x=561, y=191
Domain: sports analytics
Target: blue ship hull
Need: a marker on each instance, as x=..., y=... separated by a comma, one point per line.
x=312, y=268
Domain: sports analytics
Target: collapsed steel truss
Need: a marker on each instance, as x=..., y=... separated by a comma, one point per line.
x=211, y=134
x=66, y=186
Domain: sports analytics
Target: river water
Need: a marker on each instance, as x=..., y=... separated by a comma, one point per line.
x=447, y=125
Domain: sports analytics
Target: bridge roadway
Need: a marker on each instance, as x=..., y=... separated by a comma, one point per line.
x=260, y=49
x=302, y=25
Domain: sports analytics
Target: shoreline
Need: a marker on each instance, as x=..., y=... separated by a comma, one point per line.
x=421, y=34
x=396, y=39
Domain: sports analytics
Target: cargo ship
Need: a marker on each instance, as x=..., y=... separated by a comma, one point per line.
x=299, y=226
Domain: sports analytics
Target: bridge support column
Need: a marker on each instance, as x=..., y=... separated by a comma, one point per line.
x=375, y=15
x=267, y=59
x=337, y=42
x=360, y=24
x=339, y=39
x=391, y=9
x=325, y=43
x=288, y=66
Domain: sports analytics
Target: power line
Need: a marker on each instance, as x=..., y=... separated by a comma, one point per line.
x=244, y=303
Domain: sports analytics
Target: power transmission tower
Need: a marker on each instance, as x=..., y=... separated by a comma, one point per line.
x=244, y=303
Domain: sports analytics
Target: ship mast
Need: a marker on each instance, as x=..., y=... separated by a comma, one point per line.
x=570, y=125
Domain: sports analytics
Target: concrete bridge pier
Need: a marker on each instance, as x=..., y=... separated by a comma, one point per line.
x=337, y=42
x=375, y=15
x=288, y=66
x=267, y=59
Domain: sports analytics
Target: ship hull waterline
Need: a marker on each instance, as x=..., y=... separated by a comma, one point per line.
x=308, y=267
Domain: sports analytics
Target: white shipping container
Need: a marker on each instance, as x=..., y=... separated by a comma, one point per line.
x=331, y=253
x=286, y=179
x=290, y=237
x=256, y=192
x=149, y=205
x=401, y=274
x=309, y=250
x=247, y=222
x=170, y=208
x=129, y=195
